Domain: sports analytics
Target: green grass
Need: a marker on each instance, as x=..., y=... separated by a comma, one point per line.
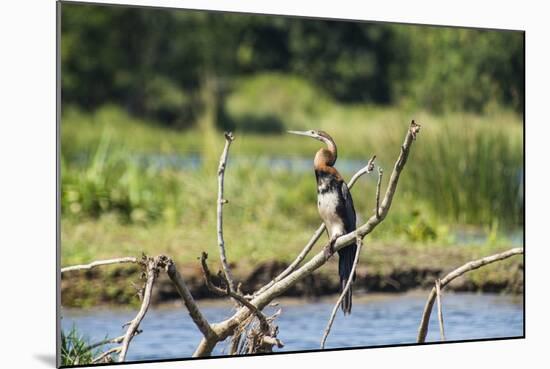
x=75, y=349
x=463, y=170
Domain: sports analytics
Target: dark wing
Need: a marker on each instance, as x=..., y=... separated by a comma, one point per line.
x=350, y=221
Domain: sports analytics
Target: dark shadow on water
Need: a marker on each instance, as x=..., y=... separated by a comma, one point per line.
x=48, y=359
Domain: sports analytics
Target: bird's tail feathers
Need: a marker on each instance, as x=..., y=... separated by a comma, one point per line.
x=345, y=264
x=346, y=301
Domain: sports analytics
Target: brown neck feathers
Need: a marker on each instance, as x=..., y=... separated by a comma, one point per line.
x=326, y=157
x=323, y=158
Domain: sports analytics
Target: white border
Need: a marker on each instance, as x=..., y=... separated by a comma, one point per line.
x=27, y=184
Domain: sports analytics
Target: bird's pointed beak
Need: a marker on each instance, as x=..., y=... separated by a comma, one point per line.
x=301, y=133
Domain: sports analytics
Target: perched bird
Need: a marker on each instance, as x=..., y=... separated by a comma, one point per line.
x=335, y=207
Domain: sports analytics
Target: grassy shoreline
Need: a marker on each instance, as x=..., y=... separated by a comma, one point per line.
x=383, y=268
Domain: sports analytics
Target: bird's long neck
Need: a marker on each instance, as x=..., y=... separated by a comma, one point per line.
x=326, y=157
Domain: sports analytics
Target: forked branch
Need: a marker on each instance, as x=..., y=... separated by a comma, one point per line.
x=227, y=292
x=215, y=333
x=225, y=328
x=472, y=265
x=106, y=357
x=196, y=315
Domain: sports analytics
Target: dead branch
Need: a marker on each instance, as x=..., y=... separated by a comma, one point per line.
x=192, y=307
x=472, y=265
x=151, y=272
x=377, y=210
x=439, y=309
x=106, y=356
x=225, y=328
x=365, y=170
x=307, y=248
x=266, y=338
x=227, y=292
x=318, y=233
x=235, y=341
x=99, y=263
x=109, y=341
x=221, y=201
x=273, y=341
x=344, y=291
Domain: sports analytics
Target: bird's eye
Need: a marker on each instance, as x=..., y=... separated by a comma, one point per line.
x=312, y=132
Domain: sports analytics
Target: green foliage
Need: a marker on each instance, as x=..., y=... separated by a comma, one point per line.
x=276, y=99
x=419, y=230
x=81, y=132
x=349, y=60
x=75, y=349
x=467, y=170
x=113, y=181
x=164, y=101
x=471, y=173
x=153, y=61
x=461, y=69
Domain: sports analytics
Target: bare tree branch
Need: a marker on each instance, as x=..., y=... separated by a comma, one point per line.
x=107, y=353
x=377, y=210
x=439, y=309
x=151, y=275
x=262, y=342
x=344, y=291
x=273, y=341
x=99, y=263
x=221, y=201
x=225, y=328
x=192, y=307
x=365, y=170
x=472, y=265
x=227, y=292
x=110, y=341
x=235, y=341
x=206, y=345
x=296, y=261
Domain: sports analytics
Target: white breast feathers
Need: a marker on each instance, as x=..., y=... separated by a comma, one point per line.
x=327, y=203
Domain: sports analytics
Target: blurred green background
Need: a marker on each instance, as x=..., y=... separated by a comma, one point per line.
x=147, y=93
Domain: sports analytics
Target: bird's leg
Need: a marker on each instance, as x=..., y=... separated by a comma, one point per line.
x=328, y=250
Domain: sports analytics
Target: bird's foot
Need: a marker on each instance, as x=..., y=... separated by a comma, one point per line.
x=328, y=250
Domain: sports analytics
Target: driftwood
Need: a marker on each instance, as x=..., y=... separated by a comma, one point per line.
x=250, y=329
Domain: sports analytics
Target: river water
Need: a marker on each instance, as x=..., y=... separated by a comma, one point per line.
x=169, y=333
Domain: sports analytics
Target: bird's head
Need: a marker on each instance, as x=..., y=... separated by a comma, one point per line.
x=326, y=156
x=318, y=135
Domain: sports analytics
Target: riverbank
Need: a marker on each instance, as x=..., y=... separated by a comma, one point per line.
x=377, y=319
x=383, y=268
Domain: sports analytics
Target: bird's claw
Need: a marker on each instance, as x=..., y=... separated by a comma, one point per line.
x=328, y=250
